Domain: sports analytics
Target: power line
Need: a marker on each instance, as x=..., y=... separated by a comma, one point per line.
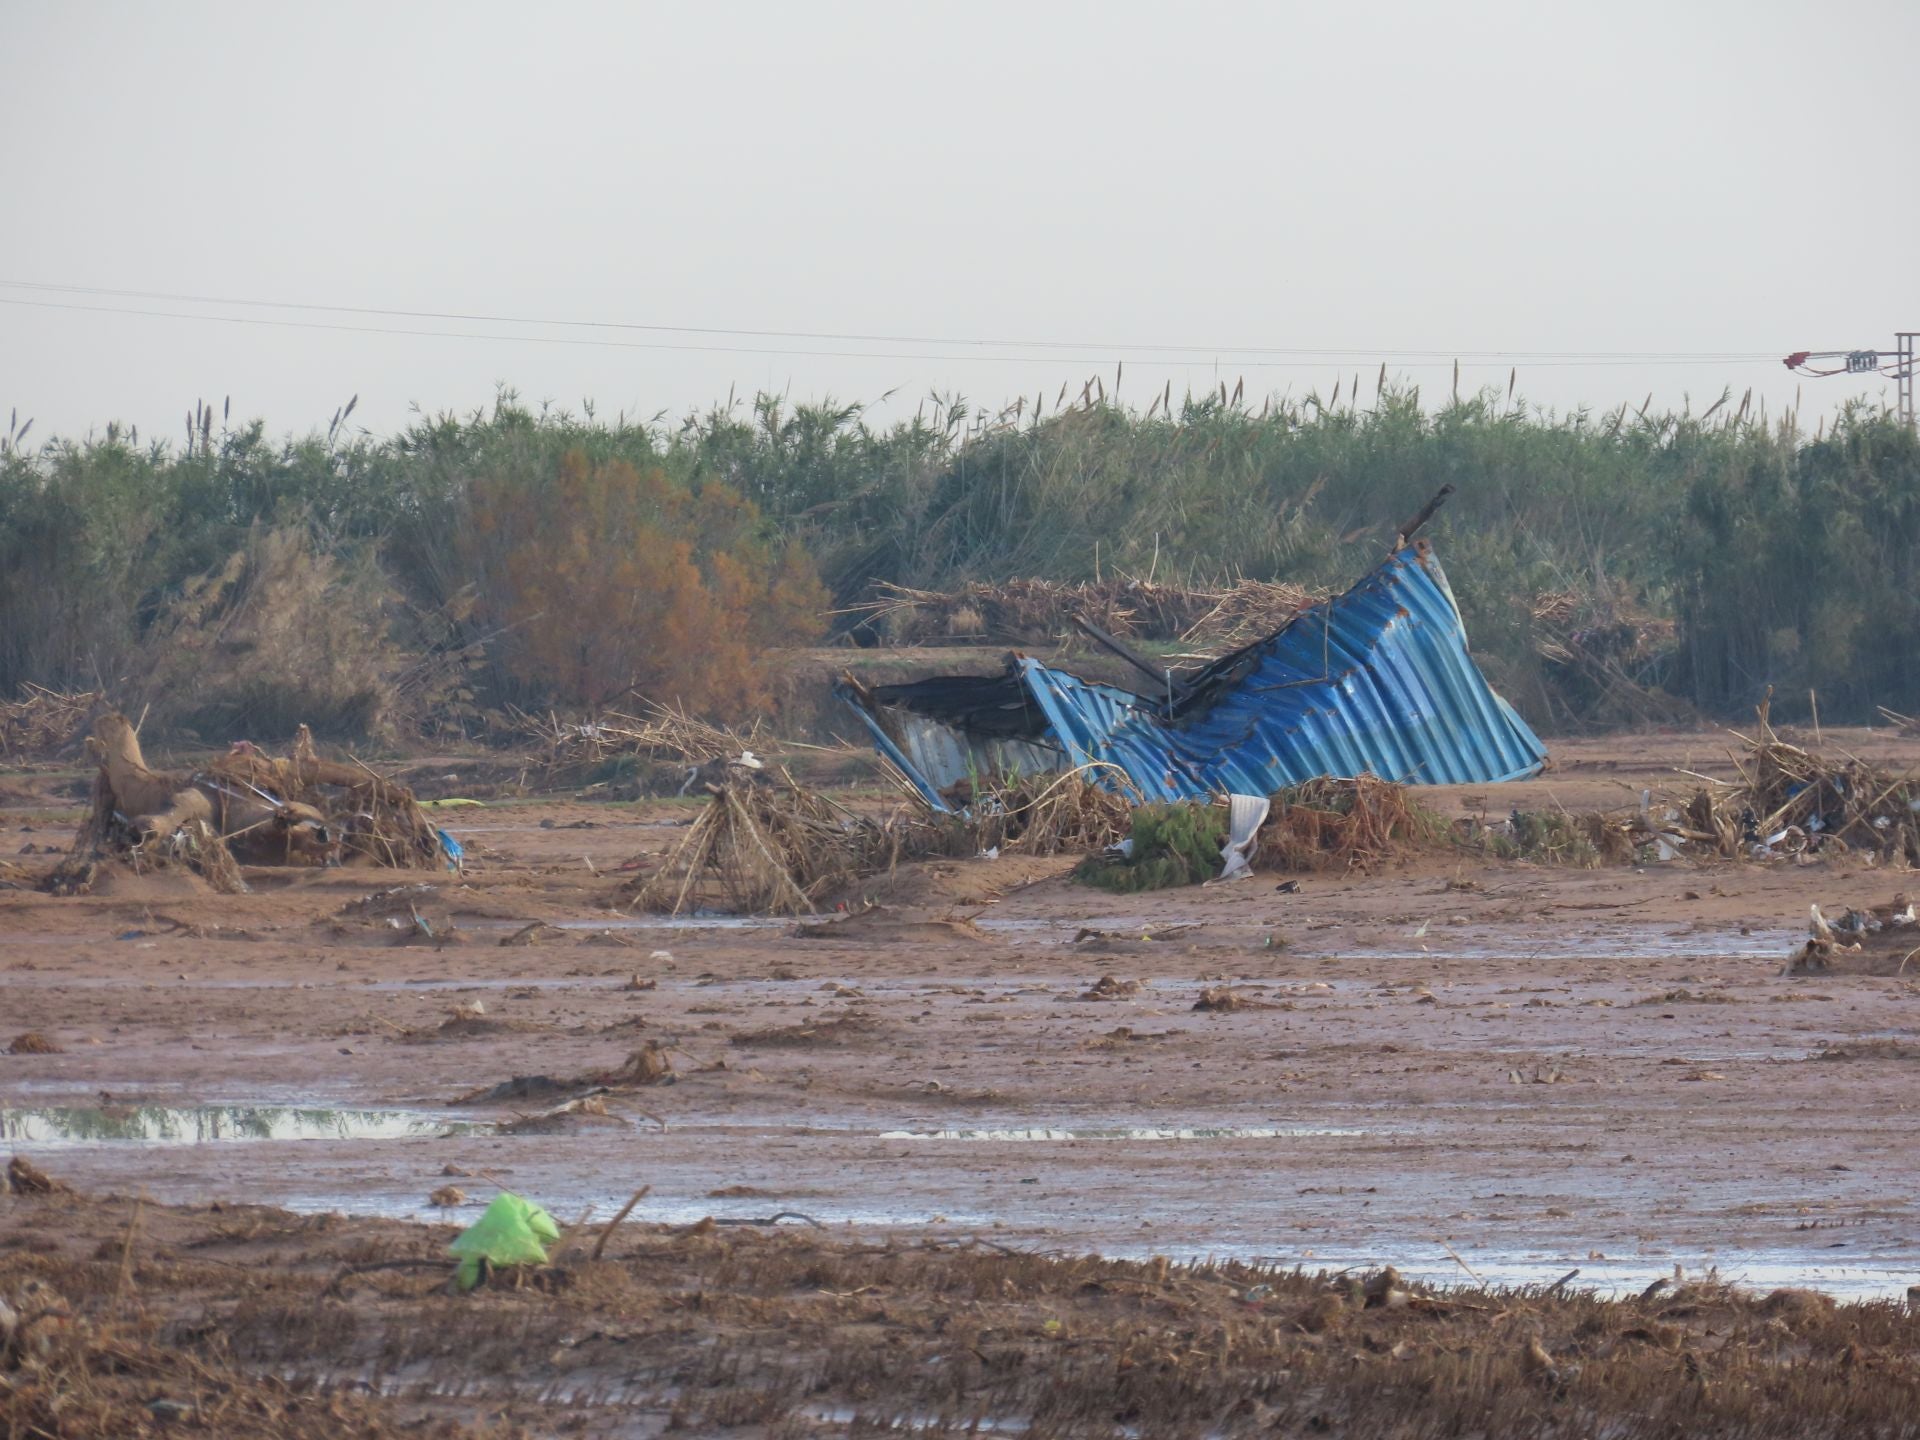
x=1180, y=355
x=1106, y=348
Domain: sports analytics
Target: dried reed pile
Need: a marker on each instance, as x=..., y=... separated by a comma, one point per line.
x=83, y=1357
x=1047, y=814
x=1244, y=612
x=658, y=732
x=766, y=846
x=1345, y=824
x=1608, y=656
x=1040, y=612
x=1074, y=1339
x=43, y=722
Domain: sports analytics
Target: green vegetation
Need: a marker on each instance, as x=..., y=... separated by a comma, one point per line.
x=546, y=557
x=1175, y=844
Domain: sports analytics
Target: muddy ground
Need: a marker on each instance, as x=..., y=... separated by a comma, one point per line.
x=1475, y=1071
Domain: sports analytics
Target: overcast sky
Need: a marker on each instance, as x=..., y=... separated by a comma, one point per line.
x=993, y=199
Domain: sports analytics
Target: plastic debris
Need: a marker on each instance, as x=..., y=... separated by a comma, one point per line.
x=1246, y=814
x=513, y=1231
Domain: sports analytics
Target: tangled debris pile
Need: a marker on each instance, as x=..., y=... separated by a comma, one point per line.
x=1342, y=824
x=659, y=733
x=1046, y=814
x=1786, y=802
x=244, y=806
x=43, y=722
x=766, y=845
x=1320, y=825
x=1790, y=801
x=1608, y=657
x=1880, y=940
x=1041, y=612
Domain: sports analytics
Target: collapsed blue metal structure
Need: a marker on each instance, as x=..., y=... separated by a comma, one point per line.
x=1377, y=680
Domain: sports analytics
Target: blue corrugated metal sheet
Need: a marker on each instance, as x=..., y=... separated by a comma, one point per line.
x=1376, y=680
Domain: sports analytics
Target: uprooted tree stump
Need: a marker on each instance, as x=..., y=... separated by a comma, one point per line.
x=241, y=806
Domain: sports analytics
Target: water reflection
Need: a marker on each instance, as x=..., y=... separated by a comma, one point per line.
x=1130, y=1132
x=212, y=1124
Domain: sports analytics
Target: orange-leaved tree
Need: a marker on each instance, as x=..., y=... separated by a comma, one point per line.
x=606, y=580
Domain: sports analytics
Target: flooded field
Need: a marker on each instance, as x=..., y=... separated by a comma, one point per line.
x=1483, y=1074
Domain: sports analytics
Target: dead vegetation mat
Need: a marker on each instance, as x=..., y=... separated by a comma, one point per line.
x=41, y=723
x=1028, y=612
x=701, y=1328
x=1329, y=824
x=581, y=749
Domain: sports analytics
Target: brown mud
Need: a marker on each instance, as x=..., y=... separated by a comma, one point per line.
x=242, y=1320
x=1466, y=1068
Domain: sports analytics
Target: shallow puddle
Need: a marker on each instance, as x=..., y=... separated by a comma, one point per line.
x=1869, y=1278
x=1131, y=1132
x=209, y=1124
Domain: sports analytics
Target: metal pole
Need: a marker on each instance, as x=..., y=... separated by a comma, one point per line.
x=1903, y=375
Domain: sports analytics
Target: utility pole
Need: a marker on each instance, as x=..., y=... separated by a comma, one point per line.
x=1898, y=366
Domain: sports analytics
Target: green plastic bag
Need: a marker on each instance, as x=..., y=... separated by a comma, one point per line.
x=512, y=1232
